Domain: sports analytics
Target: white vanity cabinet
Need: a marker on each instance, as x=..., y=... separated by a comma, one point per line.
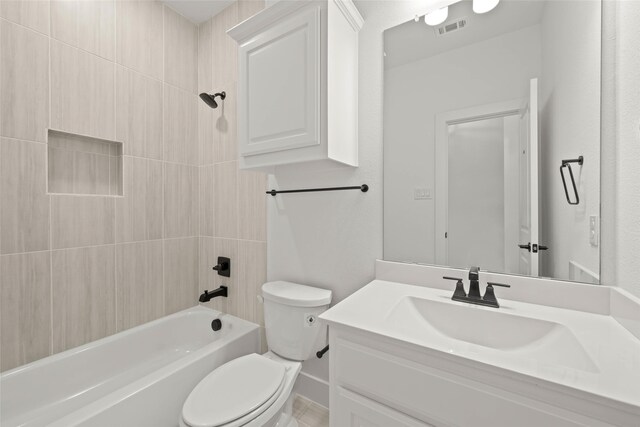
x=297, y=84
x=380, y=382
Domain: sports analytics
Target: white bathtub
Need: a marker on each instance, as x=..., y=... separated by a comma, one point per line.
x=139, y=377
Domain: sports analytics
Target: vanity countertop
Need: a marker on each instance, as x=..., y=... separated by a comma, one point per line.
x=582, y=350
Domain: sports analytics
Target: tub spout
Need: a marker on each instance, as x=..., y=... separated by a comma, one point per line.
x=206, y=296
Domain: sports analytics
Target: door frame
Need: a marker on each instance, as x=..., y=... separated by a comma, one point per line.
x=441, y=172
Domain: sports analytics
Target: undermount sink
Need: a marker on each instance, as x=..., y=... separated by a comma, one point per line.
x=545, y=341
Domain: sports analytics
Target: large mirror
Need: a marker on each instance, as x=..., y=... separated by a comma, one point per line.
x=492, y=138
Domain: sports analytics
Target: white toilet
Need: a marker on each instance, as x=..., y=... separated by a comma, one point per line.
x=254, y=390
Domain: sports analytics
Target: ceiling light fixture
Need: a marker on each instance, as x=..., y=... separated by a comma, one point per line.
x=483, y=6
x=437, y=16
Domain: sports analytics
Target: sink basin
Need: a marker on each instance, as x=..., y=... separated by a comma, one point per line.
x=544, y=341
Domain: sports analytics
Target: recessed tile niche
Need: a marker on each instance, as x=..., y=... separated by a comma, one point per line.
x=83, y=165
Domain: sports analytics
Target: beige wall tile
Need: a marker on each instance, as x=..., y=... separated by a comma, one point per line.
x=24, y=207
x=252, y=208
x=87, y=24
x=24, y=83
x=78, y=172
x=82, y=165
x=139, y=36
x=210, y=250
x=180, y=274
x=139, y=212
x=226, y=199
x=30, y=13
x=225, y=49
x=180, y=200
x=139, y=114
x=205, y=56
x=69, y=141
x=64, y=21
x=97, y=27
x=116, y=170
x=205, y=84
x=180, y=51
x=139, y=287
x=83, y=283
x=206, y=122
x=225, y=146
x=180, y=126
x=248, y=8
x=82, y=92
x=82, y=221
x=252, y=274
x=25, y=307
x=207, y=201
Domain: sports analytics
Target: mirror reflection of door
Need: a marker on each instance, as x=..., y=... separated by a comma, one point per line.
x=528, y=206
x=488, y=199
x=478, y=172
x=441, y=83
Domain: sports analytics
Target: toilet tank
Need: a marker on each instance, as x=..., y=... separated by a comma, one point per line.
x=291, y=321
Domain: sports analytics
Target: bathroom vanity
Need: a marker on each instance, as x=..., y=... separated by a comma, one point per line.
x=405, y=354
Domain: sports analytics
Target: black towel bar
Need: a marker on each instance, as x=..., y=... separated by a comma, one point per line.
x=364, y=188
x=566, y=164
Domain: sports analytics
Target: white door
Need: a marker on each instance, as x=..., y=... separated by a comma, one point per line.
x=529, y=260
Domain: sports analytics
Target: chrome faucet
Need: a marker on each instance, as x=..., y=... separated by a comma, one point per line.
x=474, y=297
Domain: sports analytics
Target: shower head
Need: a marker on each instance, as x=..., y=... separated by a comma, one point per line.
x=211, y=99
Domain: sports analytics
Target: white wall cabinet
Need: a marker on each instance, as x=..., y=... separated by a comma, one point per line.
x=297, y=84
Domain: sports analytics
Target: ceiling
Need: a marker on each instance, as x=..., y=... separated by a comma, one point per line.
x=413, y=41
x=198, y=11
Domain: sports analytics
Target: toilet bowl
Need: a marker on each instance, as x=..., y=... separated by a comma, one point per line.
x=255, y=390
x=248, y=391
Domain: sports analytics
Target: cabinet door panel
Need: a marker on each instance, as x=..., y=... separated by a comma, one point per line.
x=279, y=88
x=354, y=410
x=432, y=395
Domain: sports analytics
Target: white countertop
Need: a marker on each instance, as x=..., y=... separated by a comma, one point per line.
x=609, y=366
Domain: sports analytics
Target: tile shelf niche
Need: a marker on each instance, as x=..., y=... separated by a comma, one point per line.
x=83, y=165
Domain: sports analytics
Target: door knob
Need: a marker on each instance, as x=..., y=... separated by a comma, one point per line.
x=527, y=246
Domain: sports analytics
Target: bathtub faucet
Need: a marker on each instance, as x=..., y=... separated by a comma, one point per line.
x=207, y=296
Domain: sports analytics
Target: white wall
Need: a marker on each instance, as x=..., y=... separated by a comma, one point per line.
x=627, y=221
x=493, y=70
x=333, y=239
x=570, y=127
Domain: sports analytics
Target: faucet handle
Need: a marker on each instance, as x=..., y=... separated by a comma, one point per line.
x=502, y=285
x=489, y=294
x=459, y=292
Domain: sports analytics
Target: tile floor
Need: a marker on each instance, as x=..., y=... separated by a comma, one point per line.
x=309, y=413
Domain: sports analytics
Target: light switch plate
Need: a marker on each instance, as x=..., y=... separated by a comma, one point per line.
x=593, y=230
x=421, y=193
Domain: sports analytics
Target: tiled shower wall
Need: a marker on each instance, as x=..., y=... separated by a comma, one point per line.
x=232, y=201
x=76, y=268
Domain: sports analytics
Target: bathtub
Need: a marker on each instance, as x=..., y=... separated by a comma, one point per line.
x=138, y=377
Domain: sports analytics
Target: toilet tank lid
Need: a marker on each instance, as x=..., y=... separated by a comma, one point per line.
x=295, y=295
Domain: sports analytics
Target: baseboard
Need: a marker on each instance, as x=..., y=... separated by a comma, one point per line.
x=313, y=388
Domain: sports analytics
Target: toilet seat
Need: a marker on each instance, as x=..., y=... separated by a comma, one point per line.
x=235, y=393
